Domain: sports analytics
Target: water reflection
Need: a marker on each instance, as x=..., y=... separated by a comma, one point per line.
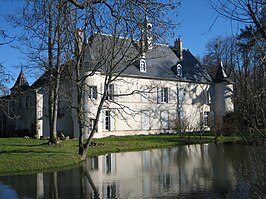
x=200, y=171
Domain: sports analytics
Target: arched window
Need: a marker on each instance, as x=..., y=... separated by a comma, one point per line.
x=179, y=70
x=142, y=66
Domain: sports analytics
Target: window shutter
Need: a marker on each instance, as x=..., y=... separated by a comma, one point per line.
x=103, y=119
x=95, y=92
x=159, y=95
x=110, y=92
x=172, y=95
x=167, y=95
x=180, y=97
x=112, y=120
x=117, y=89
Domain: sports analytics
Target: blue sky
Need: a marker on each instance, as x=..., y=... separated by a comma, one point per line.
x=196, y=30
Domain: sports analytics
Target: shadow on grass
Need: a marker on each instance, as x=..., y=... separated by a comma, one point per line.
x=25, y=145
x=31, y=151
x=31, y=145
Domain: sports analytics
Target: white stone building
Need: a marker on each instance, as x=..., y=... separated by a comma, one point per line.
x=158, y=90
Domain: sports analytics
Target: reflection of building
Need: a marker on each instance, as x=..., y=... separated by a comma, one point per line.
x=170, y=172
x=195, y=170
x=160, y=90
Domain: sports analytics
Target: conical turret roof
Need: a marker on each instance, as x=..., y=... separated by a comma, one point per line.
x=21, y=82
x=221, y=75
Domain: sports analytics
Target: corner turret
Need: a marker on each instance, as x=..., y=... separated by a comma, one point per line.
x=223, y=103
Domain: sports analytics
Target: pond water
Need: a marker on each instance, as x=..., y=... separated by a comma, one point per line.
x=192, y=171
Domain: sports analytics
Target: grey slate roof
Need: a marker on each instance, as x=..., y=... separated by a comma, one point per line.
x=42, y=80
x=192, y=69
x=161, y=60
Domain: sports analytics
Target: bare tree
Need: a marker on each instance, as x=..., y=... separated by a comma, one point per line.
x=126, y=23
x=245, y=11
x=51, y=27
x=249, y=76
x=44, y=23
x=247, y=57
x=5, y=76
x=220, y=49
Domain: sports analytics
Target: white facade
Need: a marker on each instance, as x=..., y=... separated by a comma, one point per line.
x=165, y=91
x=143, y=106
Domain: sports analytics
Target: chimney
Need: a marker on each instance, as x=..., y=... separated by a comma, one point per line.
x=146, y=36
x=179, y=48
x=149, y=35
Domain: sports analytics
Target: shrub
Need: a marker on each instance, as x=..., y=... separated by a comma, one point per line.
x=181, y=126
x=231, y=123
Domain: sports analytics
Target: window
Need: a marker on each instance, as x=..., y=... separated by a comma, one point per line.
x=108, y=163
x=163, y=95
x=142, y=66
x=28, y=102
x=145, y=120
x=165, y=181
x=92, y=92
x=94, y=163
x=145, y=93
x=110, y=92
x=91, y=124
x=165, y=119
x=108, y=120
x=205, y=119
x=206, y=97
x=110, y=190
x=179, y=70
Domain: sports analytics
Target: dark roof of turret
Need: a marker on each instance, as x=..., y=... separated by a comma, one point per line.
x=221, y=75
x=21, y=82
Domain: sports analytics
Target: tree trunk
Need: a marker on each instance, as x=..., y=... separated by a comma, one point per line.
x=82, y=152
x=55, y=90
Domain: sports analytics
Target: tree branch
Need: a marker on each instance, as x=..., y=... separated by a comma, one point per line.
x=256, y=21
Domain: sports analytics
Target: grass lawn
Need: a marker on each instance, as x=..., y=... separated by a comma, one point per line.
x=25, y=155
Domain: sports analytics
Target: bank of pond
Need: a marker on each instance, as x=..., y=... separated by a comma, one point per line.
x=27, y=154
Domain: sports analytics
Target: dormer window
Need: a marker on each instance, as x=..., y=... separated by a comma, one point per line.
x=179, y=70
x=142, y=66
